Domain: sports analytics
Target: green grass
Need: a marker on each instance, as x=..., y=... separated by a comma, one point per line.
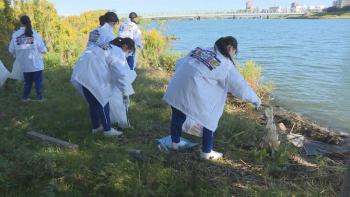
x=102, y=167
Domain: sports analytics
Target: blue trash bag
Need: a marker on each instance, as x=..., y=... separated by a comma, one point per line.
x=165, y=143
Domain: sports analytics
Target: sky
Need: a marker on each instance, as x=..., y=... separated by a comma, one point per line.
x=75, y=7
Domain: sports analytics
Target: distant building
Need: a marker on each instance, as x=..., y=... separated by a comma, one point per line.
x=317, y=8
x=341, y=3
x=275, y=9
x=249, y=6
x=295, y=7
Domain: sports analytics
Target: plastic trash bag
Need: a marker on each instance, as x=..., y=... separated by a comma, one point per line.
x=118, y=111
x=192, y=127
x=165, y=143
x=4, y=74
x=17, y=72
x=296, y=139
x=311, y=148
x=270, y=140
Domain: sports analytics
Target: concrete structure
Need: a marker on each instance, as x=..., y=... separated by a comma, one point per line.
x=296, y=7
x=341, y=3
x=249, y=6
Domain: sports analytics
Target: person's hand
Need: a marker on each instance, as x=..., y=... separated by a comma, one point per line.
x=126, y=100
x=257, y=105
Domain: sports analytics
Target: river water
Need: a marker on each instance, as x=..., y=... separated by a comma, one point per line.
x=307, y=60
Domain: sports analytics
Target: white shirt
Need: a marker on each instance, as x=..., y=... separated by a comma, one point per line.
x=28, y=51
x=101, y=71
x=200, y=89
x=101, y=36
x=129, y=29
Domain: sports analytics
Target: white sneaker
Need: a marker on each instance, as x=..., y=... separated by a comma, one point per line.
x=178, y=146
x=112, y=133
x=213, y=155
x=99, y=129
x=26, y=100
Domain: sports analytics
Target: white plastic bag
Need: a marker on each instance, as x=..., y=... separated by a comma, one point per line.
x=118, y=111
x=17, y=72
x=4, y=74
x=270, y=140
x=191, y=127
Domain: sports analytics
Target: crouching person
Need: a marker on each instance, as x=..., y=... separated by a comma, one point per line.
x=97, y=73
x=199, y=88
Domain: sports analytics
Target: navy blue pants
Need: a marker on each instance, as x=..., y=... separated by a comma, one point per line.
x=29, y=79
x=131, y=61
x=177, y=120
x=99, y=114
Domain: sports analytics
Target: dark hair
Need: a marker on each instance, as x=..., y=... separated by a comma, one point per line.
x=132, y=15
x=124, y=41
x=111, y=17
x=25, y=20
x=222, y=43
x=102, y=20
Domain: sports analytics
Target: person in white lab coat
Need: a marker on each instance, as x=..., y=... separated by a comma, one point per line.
x=199, y=88
x=129, y=29
x=102, y=35
x=4, y=74
x=28, y=48
x=96, y=75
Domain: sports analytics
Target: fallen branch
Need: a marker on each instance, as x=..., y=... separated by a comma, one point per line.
x=51, y=140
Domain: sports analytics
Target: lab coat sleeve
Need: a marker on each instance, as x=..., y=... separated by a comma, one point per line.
x=120, y=73
x=12, y=46
x=138, y=38
x=238, y=87
x=41, y=45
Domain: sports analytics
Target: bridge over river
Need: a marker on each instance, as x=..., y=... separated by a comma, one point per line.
x=218, y=14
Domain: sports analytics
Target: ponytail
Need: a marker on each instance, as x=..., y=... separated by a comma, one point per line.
x=25, y=20
x=222, y=43
x=119, y=42
x=102, y=20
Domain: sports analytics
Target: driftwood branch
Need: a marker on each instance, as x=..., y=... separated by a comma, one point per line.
x=51, y=140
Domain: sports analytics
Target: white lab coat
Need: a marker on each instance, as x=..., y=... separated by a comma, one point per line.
x=4, y=74
x=101, y=36
x=28, y=52
x=129, y=29
x=101, y=71
x=201, y=93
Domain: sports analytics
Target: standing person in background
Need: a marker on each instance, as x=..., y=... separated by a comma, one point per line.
x=28, y=48
x=129, y=29
x=198, y=90
x=102, y=35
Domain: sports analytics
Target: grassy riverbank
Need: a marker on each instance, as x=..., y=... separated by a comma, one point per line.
x=103, y=167
x=325, y=15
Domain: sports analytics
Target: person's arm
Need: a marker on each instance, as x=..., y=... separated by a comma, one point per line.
x=238, y=87
x=138, y=37
x=41, y=45
x=12, y=49
x=120, y=72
